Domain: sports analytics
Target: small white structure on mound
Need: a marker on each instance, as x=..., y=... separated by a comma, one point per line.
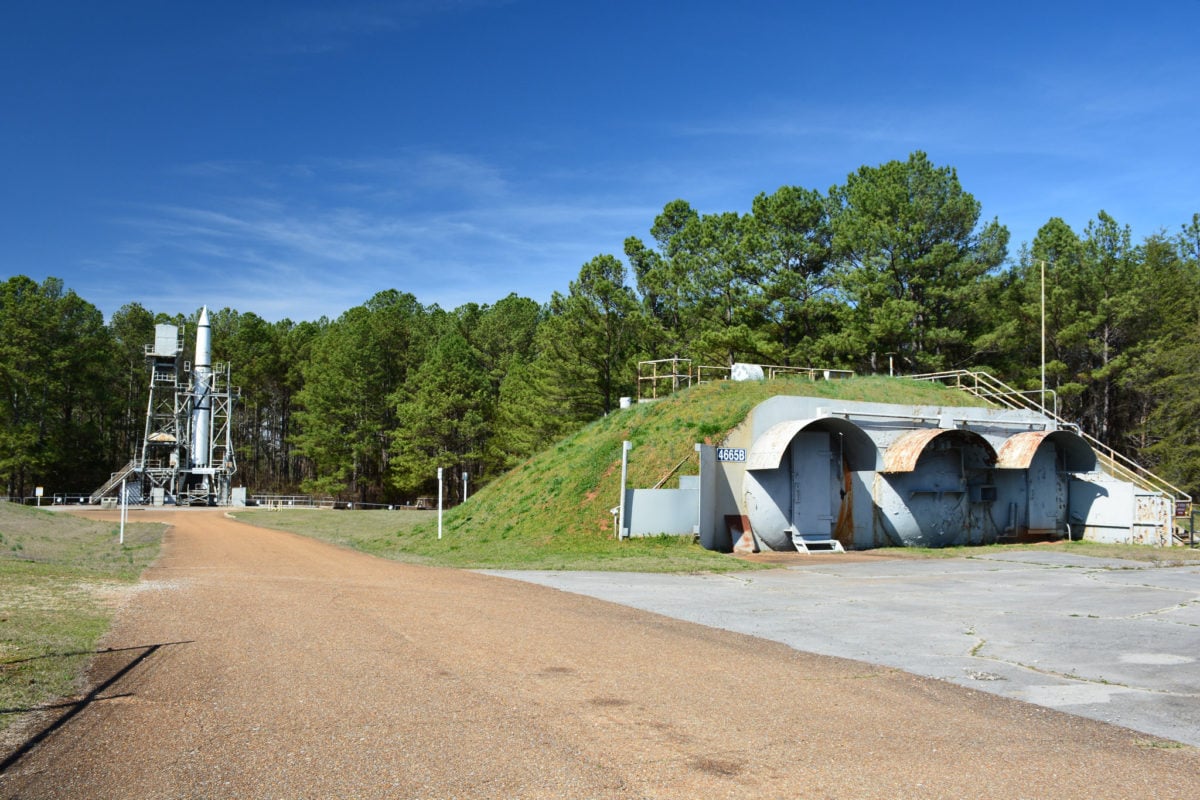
x=746, y=372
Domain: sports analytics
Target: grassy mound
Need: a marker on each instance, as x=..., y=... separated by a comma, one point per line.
x=553, y=512
x=568, y=490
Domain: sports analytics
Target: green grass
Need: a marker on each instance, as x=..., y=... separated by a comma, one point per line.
x=59, y=578
x=553, y=511
x=407, y=536
x=411, y=536
x=561, y=498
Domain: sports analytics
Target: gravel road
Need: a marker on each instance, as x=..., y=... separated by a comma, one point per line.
x=257, y=664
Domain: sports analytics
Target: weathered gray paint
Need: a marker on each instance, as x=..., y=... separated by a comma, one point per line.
x=650, y=512
x=813, y=481
x=1152, y=520
x=875, y=474
x=712, y=535
x=1046, y=492
x=766, y=503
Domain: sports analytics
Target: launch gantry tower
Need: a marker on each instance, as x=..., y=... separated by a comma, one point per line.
x=187, y=451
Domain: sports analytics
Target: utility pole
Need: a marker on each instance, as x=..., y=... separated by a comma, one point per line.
x=1043, y=263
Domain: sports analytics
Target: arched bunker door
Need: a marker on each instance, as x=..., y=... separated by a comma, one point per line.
x=936, y=480
x=798, y=481
x=1049, y=458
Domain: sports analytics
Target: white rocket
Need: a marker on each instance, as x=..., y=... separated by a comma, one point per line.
x=202, y=389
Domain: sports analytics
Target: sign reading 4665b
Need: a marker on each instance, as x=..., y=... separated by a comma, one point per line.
x=731, y=454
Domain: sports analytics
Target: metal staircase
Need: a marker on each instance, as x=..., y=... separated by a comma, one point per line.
x=114, y=481
x=985, y=386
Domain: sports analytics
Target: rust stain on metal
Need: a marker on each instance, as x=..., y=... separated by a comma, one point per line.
x=1151, y=520
x=903, y=454
x=769, y=448
x=1018, y=451
x=843, y=530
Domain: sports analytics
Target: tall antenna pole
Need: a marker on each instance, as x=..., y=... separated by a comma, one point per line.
x=1043, y=263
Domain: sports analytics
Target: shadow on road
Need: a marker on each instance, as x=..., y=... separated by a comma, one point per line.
x=115, y=664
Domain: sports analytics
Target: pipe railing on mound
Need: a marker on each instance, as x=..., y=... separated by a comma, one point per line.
x=666, y=375
x=992, y=389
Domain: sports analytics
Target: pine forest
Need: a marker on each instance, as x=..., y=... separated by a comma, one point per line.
x=895, y=269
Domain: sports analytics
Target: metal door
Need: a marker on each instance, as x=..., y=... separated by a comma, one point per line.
x=812, y=487
x=1047, y=500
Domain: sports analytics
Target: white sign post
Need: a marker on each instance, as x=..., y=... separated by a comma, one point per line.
x=439, y=502
x=464, y=487
x=39, y=491
x=622, y=531
x=124, y=510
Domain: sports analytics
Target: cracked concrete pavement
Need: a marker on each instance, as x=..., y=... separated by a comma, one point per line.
x=1108, y=639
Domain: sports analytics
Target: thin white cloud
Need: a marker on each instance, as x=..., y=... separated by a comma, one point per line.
x=427, y=170
x=459, y=232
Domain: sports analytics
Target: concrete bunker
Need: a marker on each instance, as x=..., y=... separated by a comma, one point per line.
x=808, y=473
x=873, y=474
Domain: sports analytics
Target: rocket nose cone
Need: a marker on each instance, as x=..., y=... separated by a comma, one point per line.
x=203, y=317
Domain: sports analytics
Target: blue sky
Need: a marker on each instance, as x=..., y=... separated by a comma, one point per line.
x=291, y=159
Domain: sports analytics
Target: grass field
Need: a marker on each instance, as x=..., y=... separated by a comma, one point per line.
x=408, y=536
x=411, y=536
x=60, y=579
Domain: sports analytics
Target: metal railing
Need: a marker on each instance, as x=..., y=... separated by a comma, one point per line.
x=812, y=373
x=281, y=501
x=672, y=374
x=115, y=480
x=663, y=370
x=994, y=390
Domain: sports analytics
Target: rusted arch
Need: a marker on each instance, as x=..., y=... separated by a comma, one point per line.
x=903, y=454
x=1017, y=451
x=859, y=450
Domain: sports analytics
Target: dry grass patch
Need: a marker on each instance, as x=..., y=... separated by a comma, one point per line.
x=61, y=578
